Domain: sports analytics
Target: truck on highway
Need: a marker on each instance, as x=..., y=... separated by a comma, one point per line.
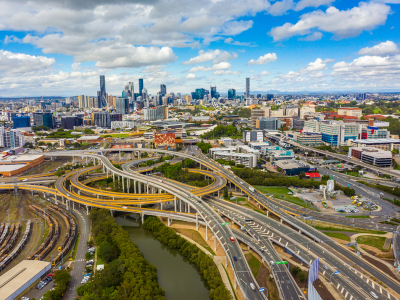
x=251, y=189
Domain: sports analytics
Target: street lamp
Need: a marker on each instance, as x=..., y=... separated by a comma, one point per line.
x=330, y=278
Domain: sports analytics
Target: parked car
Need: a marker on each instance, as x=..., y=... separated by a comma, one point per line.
x=325, y=267
x=235, y=258
x=232, y=239
x=373, y=294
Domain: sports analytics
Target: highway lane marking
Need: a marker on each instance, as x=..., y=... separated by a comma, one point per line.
x=342, y=290
x=351, y=297
x=346, y=294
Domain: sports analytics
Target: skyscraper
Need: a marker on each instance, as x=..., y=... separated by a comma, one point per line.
x=140, y=86
x=163, y=89
x=214, y=92
x=103, y=95
x=247, y=87
x=231, y=94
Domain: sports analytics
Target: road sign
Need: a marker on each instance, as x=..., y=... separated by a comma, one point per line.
x=358, y=253
x=281, y=262
x=351, y=244
x=233, y=198
x=225, y=223
x=336, y=272
x=261, y=290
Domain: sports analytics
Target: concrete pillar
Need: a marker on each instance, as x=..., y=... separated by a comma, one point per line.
x=128, y=183
x=142, y=217
x=161, y=205
x=73, y=205
x=169, y=222
x=180, y=205
x=113, y=176
x=87, y=210
x=62, y=198
x=147, y=188
x=218, y=193
x=175, y=202
x=123, y=184
x=159, y=190
x=55, y=197
x=281, y=221
x=267, y=213
x=134, y=186
x=98, y=196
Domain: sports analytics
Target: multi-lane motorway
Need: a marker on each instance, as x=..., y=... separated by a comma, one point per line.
x=352, y=284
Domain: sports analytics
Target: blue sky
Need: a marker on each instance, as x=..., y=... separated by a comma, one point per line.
x=53, y=48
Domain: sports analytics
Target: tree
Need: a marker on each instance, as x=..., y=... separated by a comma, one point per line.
x=226, y=193
x=88, y=255
x=325, y=177
x=302, y=175
x=88, y=131
x=105, y=251
x=230, y=195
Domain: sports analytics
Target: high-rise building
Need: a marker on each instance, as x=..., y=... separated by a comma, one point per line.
x=11, y=138
x=214, y=92
x=140, y=86
x=122, y=106
x=103, y=94
x=102, y=119
x=163, y=89
x=154, y=113
x=231, y=94
x=68, y=122
x=268, y=123
x=21, y=121
x=83, y=101
x=247, y=87
x=44, y=119
x=110, y=100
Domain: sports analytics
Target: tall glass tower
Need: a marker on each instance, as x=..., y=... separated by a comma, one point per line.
x=140, y=86
x=103, y=95
x=163, y=89
x=247, y=87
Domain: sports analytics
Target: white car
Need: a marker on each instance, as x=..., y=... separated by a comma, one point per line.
x=373, y=294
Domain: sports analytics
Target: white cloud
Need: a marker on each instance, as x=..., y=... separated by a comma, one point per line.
x=318, y=64
x=236, y=43
x=221, y=72
x=191, y=76
x=315, y=36
x=341, y=23
x=384, y=48
x=262, y=60
x=152, y=69
x=280, y=7
x=22, y=63
x=265, y=73
x=76, y=66
x=302, y=4
x=219, y=66
x=216, y=56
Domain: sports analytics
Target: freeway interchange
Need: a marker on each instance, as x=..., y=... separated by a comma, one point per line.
x=303, y=241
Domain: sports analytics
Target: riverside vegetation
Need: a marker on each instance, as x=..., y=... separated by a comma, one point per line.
x=127, y=274
x=204, y=263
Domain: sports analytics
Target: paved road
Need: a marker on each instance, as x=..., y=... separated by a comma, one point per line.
x=79, y=265
x=213, y=220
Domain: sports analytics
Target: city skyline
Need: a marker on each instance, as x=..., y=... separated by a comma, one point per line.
x=60, y=49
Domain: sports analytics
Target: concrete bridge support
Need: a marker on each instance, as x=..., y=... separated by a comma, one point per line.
x=55, y=198
x=175, y=202
x=169, y=222
x=87, y=209
x=134, y=186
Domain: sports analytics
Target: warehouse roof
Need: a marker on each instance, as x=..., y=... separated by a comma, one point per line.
x=9, y=168
x=15, y=278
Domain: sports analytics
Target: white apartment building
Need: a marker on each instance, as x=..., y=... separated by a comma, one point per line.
x=11, y=138
x=350, y=111
x=122, y=124
x=248, y=160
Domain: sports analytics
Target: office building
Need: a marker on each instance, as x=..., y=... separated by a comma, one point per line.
x=298, y=124
x=93, y=102
x=256, y=113
x=68, y=122
x=165, y=112
x=11, y=138
x=21, y=121
x=44, y=119
x=384, y=144
x=247, y=87
x=374, y=132
x=114, y=117
x=83, y=101
x=268, y=123
x=102, y=119
x=350, y=112
x=187, y=98
x=305, y=138
x=140, y=86
x=253, y=136
x=231, y=94
x=122, y=106
x=153, y=113
x=102, y=95
x=214, y=93
x=373, y=156
x=270, y=97
x=291, y=168
x=163, y=89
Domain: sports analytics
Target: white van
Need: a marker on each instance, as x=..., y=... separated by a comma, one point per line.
x=253, y=287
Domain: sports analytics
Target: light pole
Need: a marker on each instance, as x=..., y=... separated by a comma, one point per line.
x=330, y=278
x=245, y=296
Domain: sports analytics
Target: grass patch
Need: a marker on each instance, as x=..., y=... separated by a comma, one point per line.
x=336, y=235
x=358, y=217
x=255, y=209
x=121, y=135
x=234, y=294
x=254, y=264
x=374, y=241
x=195, y=236
x=324, y=226
x=76, y=247
x=282, y=194
x=388, y=223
